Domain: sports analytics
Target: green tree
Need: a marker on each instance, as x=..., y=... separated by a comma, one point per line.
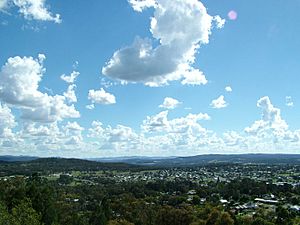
x=43, y=198
x=5, y=218
x=198, y=222
x=65, y=179
x=213, y=217
x=225, y=219
x=119, y=222
x=101, y=214
x=24, y=214
x=261, y=221
x=196, y=200
x=169, y=215
x=283, y=216
x=13, y=191
x=244, y=220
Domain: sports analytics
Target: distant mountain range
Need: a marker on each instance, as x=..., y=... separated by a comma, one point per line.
x=208, y=159
x=10, y=158
x=185, y=161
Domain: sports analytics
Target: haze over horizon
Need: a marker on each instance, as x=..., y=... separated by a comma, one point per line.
x=149, y=77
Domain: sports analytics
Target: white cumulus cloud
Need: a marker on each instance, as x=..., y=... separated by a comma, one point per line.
x=156, y=123
x=19, y=80
x=71, y=78
x=170, y=103
x=90, y=107
x=228, y=89
x=70, y=94
x=219, y=22
x=271, y=132
x=31, y=9
x=289, y=101
x=7, y=121
x=219, y=103
x=161, y=123
x=232, y=138
x=271, y=120
x=181, y=27
x=73, y=133
x=139, y=5
x=3, y=4
x=194, y=77
x=121, y=134
x=19, y=87
x=73, y=127
x=54, y=109
x=33, y=129
x=101, y=97
x=36, y=10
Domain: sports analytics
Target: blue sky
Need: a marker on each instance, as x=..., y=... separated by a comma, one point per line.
x=149, y=77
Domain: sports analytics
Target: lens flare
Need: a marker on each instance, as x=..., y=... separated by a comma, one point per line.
x=232, y=15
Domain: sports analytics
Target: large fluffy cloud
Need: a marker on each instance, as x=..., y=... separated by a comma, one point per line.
x=19, y=87
x=181, y=27
x=156, y=123
x=51, y=138
x=161, y=123
x=74, y=133
x=121, y=134
x=19, y=80
x=7, y=121
x=271, y=120
x=233, y=138
x=271, y=128
x=121, y=138
x=3, y=4
x=54, y=109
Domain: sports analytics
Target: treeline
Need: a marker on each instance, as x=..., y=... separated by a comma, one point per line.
x=57, y=165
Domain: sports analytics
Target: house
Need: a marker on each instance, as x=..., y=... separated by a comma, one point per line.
x=266, y=201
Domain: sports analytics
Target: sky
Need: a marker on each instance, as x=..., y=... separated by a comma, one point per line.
x=149, y=77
